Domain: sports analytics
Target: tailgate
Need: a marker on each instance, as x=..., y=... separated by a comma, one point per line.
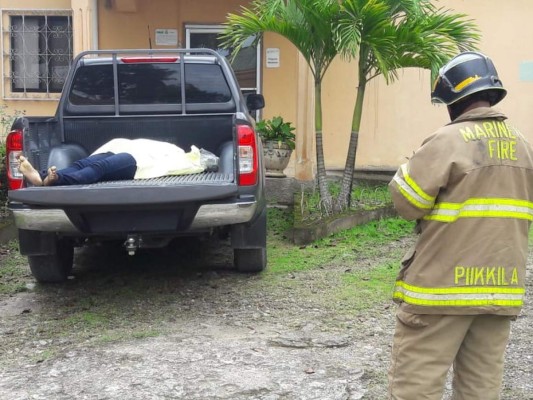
x=197, y=188
x=159, y=205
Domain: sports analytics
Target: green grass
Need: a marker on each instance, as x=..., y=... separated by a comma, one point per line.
x=363, y=289
x=364, y=196
x=360, y=288
x=105, y=318
x=349, y=245
x=44, y=356
x=13, y=277
x=87, y=320
x=367, y=272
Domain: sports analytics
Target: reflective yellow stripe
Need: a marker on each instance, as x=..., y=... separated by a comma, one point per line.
x=411, y=191
x=459, y=303
x=466, y=82
x=415, y=186
x=482, y=208
x=485, y=201
x=461, y=289
x=413, y=200
x=444, y=218
x=460, y=296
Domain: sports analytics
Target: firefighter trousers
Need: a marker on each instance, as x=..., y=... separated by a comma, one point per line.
x=426, y=346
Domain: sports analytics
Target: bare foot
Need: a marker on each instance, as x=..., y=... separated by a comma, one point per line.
x=30, y=173
x=52, y=177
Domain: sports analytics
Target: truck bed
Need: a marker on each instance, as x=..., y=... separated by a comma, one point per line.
x=88, y=133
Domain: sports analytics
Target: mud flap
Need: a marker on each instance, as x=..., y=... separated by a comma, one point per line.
x=37, y=243
x=249, y=236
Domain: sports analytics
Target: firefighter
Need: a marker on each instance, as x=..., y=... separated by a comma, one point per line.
x=470, y=189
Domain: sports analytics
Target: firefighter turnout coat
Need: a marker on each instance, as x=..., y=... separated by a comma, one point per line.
x=470, y=188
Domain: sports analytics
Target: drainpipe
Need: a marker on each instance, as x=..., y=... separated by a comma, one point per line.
x=94, y=24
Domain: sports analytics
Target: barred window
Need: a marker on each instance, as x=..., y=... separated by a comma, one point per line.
x=40, y=51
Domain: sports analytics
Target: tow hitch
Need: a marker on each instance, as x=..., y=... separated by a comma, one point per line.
x=132, y=243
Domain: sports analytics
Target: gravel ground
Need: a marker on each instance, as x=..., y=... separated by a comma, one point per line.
x=205, y=333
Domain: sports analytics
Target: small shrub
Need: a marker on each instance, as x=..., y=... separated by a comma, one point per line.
x=365, y=196
x=276, y=130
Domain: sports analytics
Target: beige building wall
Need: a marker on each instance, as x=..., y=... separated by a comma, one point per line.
x=287, y=94
x=398, y=117
x=131, y=23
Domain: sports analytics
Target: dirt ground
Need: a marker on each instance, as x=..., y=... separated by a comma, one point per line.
x=175, y=324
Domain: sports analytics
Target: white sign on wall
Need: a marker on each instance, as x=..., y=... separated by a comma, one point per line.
x=272, y=58
x=166, y=37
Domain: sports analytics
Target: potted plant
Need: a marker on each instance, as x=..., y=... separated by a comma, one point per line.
x=278, y=143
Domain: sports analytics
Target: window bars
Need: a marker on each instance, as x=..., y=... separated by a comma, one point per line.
x=39, y=51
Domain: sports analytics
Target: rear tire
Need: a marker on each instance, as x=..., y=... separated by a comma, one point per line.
x=250, y=260
x=53, y=268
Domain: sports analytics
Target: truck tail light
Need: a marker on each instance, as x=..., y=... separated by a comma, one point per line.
x=248, y=162
x=13, y=150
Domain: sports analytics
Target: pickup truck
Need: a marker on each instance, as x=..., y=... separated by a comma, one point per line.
x=188, y=97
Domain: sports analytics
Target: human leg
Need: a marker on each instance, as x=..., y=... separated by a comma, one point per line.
x=120, y=166
x=30, y=173
x=424, y=347
x=478, y=367
x=95, y=168
x=85, y=162
x=98, y=168
x=51, y=177
x=72, y=174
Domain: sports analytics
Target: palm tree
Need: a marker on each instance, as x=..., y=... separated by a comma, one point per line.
x=308, y=25
x=387, y=35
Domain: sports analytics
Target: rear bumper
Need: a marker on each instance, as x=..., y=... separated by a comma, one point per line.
x=208, y=215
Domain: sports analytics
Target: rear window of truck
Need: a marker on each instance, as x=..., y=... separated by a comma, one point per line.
x=149, y=83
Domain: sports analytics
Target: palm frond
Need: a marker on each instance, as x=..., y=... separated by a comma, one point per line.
x=387, y=35
x=305, y=23
x=432, y=39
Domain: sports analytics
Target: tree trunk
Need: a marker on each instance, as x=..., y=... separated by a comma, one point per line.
x=325, y=196
x=344, y=198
